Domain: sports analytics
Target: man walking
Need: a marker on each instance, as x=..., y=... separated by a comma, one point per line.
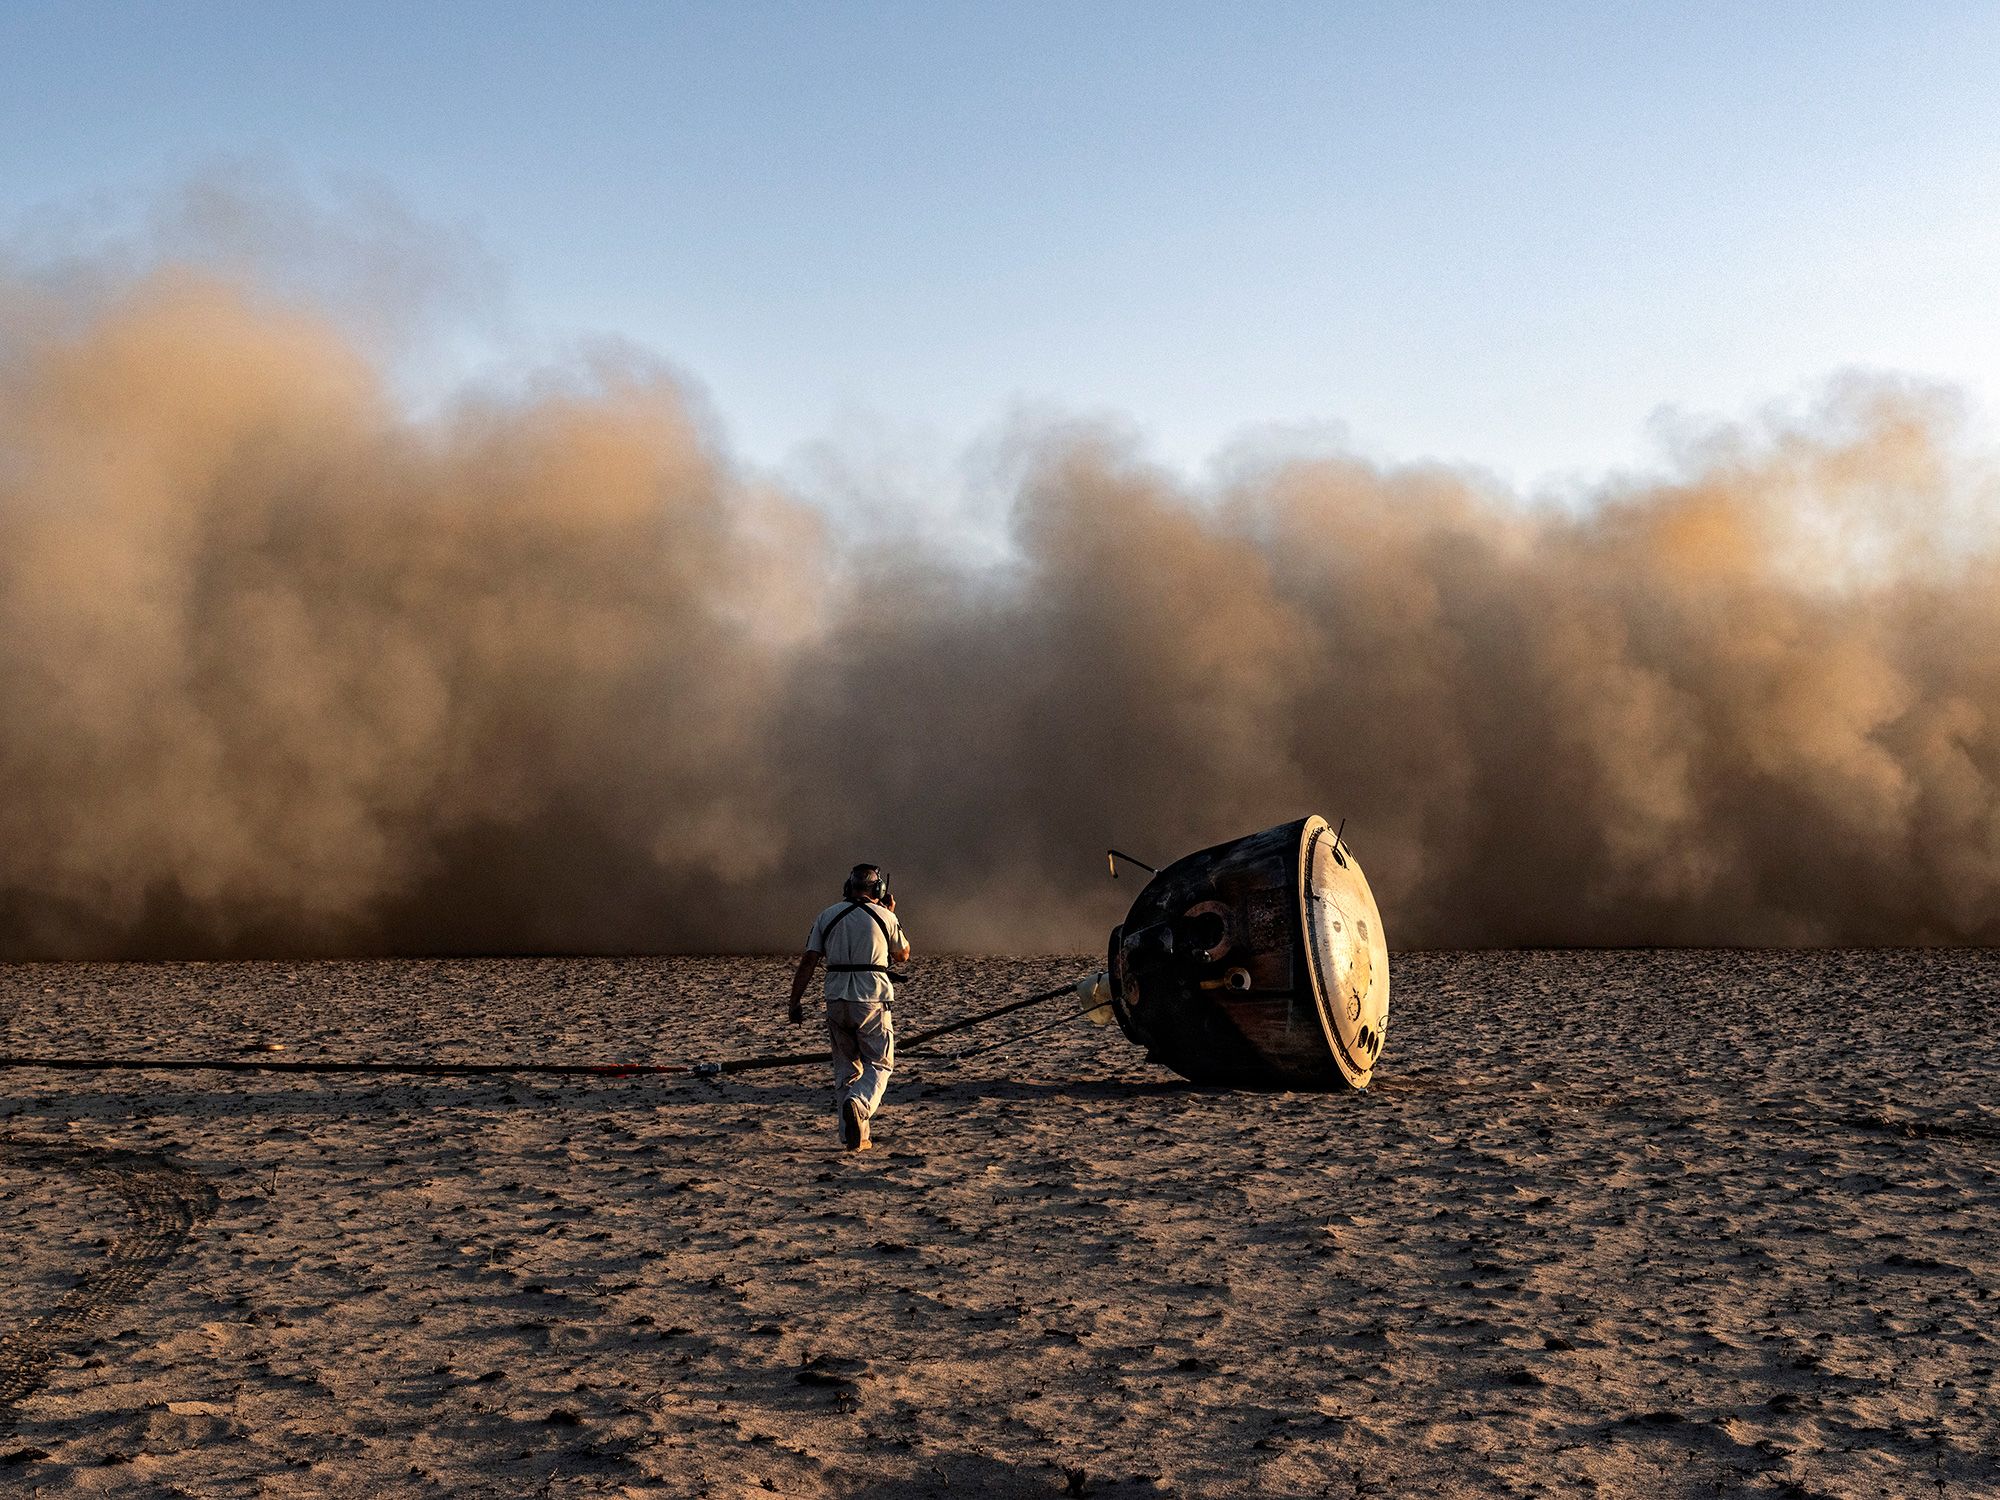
x=858, y=937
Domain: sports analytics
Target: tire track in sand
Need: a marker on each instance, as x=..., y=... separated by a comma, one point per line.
x=165, y=1200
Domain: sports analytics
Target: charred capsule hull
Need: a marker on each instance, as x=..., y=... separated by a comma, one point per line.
x=1258, y=963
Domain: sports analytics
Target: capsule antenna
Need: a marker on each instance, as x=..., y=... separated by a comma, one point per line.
x=1112, y=856
x=1336, y=843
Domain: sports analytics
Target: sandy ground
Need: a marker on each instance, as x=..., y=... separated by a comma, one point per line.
x=1634, y=1224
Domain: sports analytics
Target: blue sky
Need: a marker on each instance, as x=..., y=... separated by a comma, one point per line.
x=1499, y=234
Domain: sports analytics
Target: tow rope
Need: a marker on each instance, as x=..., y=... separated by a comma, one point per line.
x=482, y=1070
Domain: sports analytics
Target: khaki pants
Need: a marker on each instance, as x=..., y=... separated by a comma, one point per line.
x=864, y=1052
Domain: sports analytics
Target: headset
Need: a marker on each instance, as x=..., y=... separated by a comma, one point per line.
x=866, y=882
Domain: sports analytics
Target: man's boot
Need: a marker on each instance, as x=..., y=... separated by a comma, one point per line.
x=853, y=1126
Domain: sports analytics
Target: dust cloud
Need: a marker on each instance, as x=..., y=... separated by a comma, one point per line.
x=289, y=669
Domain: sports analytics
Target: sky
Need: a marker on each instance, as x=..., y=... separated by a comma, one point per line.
x=1518, y=237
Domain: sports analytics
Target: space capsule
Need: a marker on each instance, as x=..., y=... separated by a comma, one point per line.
x=1259, y=963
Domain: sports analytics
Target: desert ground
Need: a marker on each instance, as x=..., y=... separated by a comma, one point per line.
x=1610, y=1223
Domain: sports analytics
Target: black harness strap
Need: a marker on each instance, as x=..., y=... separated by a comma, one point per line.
x=883, y=927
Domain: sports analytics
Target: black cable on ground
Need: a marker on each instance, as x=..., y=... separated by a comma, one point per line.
x=1022, y=1036
x=989, y=1015
x=481, y=1070
x=298, y=1065
x=815, y=1059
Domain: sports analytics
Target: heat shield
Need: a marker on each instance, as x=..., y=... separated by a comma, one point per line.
x=1257, y=963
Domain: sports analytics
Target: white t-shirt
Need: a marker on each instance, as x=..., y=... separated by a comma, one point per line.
x=856, y=940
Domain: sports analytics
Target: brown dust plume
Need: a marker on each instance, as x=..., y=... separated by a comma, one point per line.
x=286, y=669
